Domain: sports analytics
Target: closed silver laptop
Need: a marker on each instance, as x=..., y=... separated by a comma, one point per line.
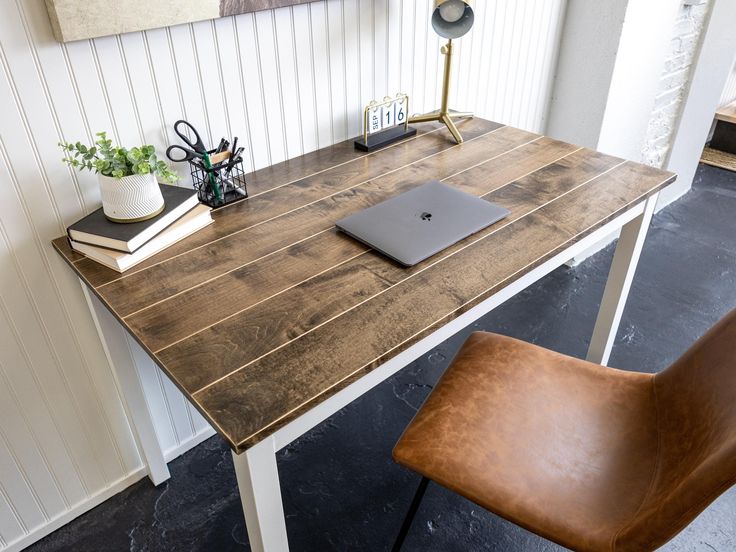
x=421, y=222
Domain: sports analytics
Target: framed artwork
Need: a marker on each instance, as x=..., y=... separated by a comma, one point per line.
x=80, y=19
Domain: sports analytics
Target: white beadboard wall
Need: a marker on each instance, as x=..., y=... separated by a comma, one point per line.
x=729, y=92
x=285, y=81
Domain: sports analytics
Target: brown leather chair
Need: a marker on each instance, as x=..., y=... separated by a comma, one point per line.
x=589, y=457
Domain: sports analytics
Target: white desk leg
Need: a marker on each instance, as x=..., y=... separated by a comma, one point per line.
x=117, y=349
x=260, y=493
x=620, y=276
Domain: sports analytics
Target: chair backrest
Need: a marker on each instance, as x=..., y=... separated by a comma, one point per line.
x=696, y=420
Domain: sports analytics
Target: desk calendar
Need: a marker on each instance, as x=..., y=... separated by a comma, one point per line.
x=385, y=122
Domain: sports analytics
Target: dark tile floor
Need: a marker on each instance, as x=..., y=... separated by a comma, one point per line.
x=342, y=491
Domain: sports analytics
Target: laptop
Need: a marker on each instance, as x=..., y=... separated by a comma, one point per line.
x=421, y=222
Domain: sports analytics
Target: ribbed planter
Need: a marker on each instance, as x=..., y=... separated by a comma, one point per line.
x=131, y=198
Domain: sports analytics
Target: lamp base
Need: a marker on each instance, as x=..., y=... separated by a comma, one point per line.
x=444, y=115
x=446, y=118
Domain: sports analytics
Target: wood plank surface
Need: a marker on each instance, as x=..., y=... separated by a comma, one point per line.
x=363, y=276
x=293, y=378
x=727, y=113
x=315, y=219
x=317, y=161
x=138, y=290
x=161, y=325
x=271, y=310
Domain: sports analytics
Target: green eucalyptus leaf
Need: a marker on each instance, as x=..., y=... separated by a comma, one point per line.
x=115, y=161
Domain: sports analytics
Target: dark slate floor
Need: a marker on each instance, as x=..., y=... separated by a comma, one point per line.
x=342, y=491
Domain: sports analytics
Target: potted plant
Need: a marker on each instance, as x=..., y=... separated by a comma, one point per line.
x=128, y=185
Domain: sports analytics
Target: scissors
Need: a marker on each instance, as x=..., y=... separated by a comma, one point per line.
x=196, y=150
x=180, y=153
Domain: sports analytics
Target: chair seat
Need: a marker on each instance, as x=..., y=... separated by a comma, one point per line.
x=560, y=446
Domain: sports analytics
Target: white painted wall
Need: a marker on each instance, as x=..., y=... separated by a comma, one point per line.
x=585, y=69
x=286, y=82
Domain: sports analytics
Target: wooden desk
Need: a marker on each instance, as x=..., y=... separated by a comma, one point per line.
x=269, y=320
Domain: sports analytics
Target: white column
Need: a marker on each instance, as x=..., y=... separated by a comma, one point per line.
x=608, y=72
x=609, y=67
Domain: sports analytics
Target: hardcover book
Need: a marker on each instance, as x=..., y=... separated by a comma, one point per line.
x=194, y=220
x=95, y=229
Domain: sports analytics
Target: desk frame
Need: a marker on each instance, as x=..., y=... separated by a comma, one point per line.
x=256, y=469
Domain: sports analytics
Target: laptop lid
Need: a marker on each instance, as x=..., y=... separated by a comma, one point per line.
x=421, y=222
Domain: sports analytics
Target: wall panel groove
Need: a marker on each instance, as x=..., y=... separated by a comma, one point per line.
x=729, y=91
x=56, y=292
x=286, y=82
x=26, y=518
x=35, y=323
x=45, y=86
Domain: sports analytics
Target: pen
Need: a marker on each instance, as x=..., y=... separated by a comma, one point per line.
x=232, y=149
x=234, y=158
x=235, y=188
x=222, y=146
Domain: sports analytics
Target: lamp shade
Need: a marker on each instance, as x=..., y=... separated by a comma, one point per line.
x=452, y=18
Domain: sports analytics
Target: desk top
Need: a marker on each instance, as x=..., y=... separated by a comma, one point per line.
x=268, y=311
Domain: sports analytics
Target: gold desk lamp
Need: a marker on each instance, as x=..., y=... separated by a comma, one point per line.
x=450, y=19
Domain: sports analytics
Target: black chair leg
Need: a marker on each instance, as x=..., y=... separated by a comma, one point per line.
x=416, y=501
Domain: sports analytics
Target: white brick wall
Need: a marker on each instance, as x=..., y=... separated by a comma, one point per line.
x=673, y=84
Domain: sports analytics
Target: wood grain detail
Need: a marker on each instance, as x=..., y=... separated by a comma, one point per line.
x=358, y=279
x=315, y=219
x=239, y=247
x=271, y=310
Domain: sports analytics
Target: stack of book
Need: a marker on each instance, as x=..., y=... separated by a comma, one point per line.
x=121, y=246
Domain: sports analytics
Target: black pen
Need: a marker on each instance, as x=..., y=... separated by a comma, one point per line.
x=232, y=149
x=223, y=145
x=234, y=158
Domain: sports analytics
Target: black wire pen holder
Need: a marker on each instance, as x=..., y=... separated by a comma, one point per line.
x=220, y=184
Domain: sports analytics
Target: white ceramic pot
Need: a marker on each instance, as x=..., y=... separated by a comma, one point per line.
x=131, y=198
